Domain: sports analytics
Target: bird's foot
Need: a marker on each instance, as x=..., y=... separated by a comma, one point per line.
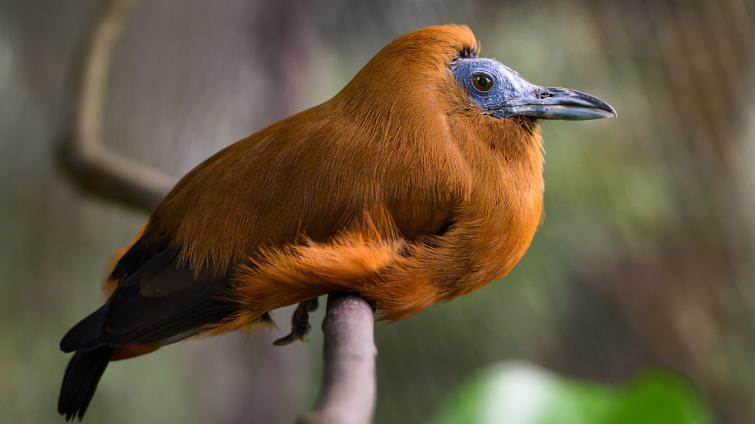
x=299, y=323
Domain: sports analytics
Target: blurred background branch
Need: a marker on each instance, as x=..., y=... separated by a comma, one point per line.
x=90, y=162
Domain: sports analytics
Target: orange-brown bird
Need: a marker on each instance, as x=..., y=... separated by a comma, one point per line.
x=420, y=181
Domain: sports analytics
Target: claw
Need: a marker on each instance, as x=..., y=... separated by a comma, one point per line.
x=299, y=323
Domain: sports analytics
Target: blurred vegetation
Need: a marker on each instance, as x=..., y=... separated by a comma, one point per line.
x=644, y=260
x=524, y=394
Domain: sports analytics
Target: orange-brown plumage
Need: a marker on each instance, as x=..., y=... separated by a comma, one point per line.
x=402, y=188
x=295, y=196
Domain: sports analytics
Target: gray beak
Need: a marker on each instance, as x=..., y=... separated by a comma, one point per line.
x=558, y=103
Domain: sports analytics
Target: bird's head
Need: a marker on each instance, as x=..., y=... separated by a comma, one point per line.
x=438, y=67
x=502, y=93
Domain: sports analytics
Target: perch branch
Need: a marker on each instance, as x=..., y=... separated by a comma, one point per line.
x=348, y=386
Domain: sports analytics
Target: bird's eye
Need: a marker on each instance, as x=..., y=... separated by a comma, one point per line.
x=482, y=82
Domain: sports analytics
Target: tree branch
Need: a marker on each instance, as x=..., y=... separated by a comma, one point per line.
x=348, y=388
x=87, y=158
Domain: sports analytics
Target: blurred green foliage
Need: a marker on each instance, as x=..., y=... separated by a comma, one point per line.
x=519, y=393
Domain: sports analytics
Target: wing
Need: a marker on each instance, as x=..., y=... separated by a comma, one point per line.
x=311, y=176
x=161, y=302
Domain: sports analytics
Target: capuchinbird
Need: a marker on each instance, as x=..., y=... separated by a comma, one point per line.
x=420, y=181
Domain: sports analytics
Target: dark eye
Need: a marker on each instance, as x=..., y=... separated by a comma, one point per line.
x=482, y=82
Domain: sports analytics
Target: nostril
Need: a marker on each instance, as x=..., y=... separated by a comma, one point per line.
x=544, y=95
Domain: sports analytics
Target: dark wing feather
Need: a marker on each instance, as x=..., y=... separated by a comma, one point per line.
x=160, y=302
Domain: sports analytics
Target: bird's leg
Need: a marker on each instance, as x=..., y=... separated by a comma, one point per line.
x=299, y=323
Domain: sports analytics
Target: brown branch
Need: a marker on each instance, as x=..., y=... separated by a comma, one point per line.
x=348, y=388
x=87, y=158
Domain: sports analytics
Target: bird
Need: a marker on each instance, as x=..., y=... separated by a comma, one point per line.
x=418, y=182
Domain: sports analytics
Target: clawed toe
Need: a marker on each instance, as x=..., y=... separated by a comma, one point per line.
x=299, y=323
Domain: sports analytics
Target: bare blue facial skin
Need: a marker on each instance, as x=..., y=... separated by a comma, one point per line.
x=511, y=95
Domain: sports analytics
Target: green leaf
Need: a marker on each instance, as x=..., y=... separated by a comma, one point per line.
x=518, y=393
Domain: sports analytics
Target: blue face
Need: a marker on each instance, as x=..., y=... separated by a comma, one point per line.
x=499, y=91
x=490, y=84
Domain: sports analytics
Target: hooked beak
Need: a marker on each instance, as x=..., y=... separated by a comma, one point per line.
x=558, y=103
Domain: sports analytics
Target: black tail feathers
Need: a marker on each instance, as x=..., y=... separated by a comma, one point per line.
x=80, y=381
